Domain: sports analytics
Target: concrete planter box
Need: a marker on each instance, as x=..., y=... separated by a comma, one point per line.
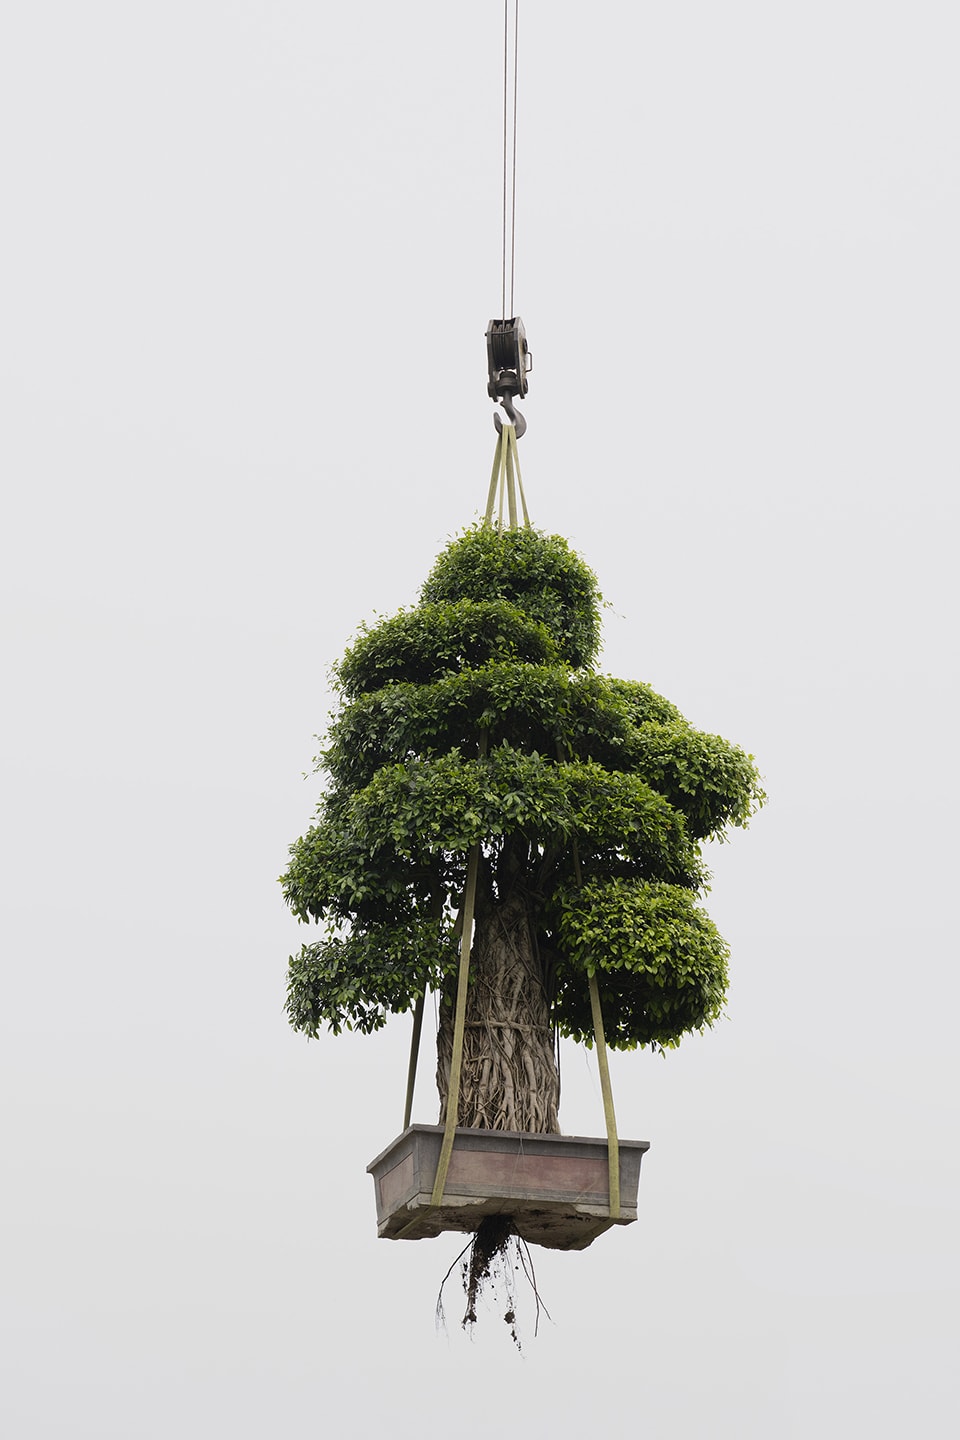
x=555, y=1187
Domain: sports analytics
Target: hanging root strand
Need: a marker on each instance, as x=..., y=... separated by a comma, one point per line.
x=441, y=1316
x=526, y=1260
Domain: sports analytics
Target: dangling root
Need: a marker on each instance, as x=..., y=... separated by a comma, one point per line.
x=486, y=1259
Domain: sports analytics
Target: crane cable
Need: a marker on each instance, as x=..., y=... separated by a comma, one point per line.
x=509, y=164
x=505, y=480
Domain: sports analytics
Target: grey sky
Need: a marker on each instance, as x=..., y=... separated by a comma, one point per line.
x=249, y=254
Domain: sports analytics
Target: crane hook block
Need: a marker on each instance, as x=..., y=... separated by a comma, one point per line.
x=509, y=362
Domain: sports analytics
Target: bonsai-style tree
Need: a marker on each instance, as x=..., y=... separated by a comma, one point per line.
x=475, y=724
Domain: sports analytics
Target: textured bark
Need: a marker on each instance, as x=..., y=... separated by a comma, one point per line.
x=509, y=1078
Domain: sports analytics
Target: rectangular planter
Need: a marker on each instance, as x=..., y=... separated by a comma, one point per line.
x=555, y=1187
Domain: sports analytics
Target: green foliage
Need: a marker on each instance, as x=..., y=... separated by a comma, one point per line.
x=354, y=981
x=711, y=782
x=336, y=875
x=660, y=961
x=525, y=705
x=547, y=711
x=475, y=717
x=418, y=645
x=429, y=806
x=538, y=573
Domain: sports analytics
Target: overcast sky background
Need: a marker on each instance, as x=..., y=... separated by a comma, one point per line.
x=248, y=256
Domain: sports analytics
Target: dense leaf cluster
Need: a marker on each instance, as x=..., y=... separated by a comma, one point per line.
x=540, y=575
x=476, y=717
x=661, y=963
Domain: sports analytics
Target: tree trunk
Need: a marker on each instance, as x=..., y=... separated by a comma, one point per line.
x=509, y=1078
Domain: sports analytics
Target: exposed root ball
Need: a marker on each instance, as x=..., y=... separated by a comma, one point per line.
x=491, y=1260
x=489, y=1245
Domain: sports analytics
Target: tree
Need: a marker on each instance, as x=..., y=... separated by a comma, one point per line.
x=476, y=723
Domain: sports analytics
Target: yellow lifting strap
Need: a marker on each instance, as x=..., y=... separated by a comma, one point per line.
x=459, y=1025
x=606, y=1089
x=456, y=1058
x=609, y=1115
x=414, y=1053
x=505, y=482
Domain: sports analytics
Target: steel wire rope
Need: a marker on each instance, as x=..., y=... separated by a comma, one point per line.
x=509, y=158
x=513, y=200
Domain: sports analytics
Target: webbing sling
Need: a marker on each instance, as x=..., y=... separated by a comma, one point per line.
x=456, y=1058
x=506, y=482
x=606, y=1089
x=613, y=1143
x=459, y=1025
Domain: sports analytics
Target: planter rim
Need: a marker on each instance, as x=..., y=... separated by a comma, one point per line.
x=529, y=1136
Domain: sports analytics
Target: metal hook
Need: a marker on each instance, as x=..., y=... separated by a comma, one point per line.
x=513, y=415
x=508, y=364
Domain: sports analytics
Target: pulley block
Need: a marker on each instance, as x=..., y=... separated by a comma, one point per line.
x=509, y=362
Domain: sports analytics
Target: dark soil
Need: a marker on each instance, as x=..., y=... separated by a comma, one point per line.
x=491, y=1261
x=489, y=1245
